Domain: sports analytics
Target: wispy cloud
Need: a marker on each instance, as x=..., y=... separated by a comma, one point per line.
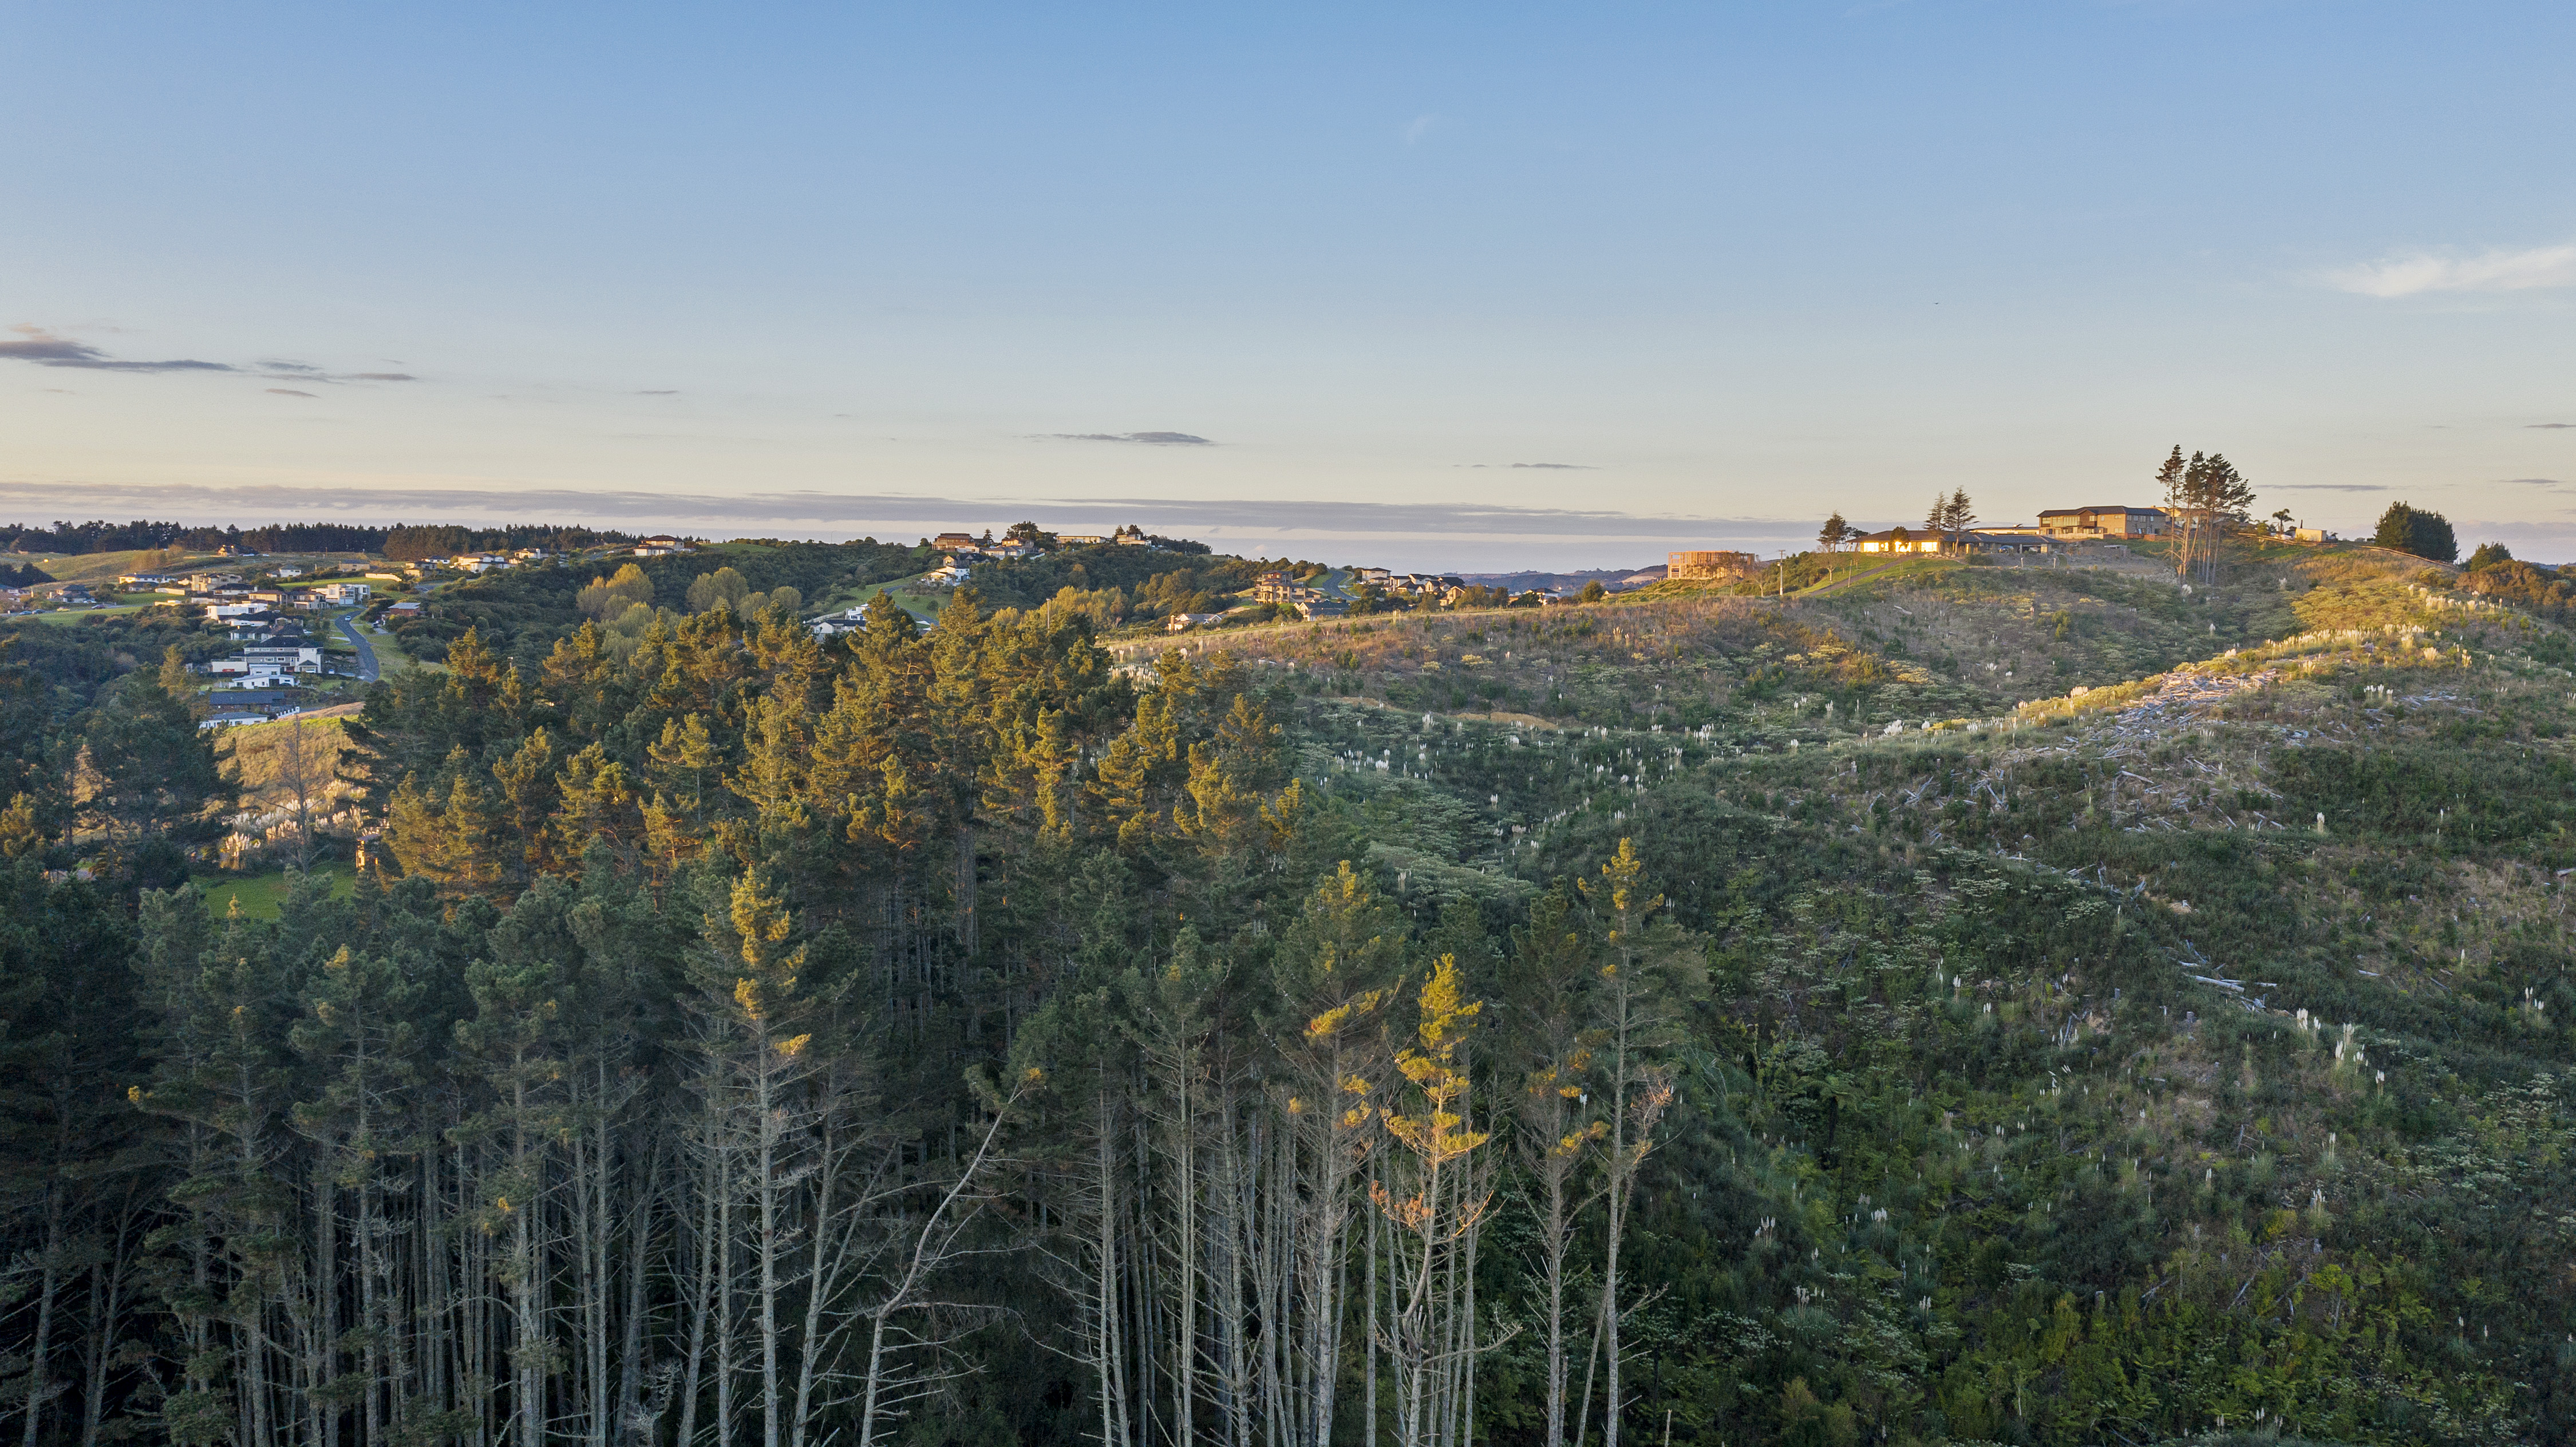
x=2495, y=269
x=45, y=349
x=1150, y=439
x=287, y=392
x=2537, y=481
x=2551, y=426
x=659, y=392
x=2324, y=487
x=1419, y=127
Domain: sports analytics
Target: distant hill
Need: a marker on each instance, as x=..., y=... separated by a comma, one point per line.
x=1614, y=579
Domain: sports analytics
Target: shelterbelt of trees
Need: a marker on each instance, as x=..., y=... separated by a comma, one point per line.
x=954, y=1035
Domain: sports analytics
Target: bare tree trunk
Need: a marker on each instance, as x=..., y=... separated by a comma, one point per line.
x=639, y=1243
x=325, y=1303
x=106, y=1307
x=1113, y=1384
x=40, y=1359
x=932, y=1248
x=702, y=1286
x=724, y=1306
x=526, y=1286
x=1370, y=1336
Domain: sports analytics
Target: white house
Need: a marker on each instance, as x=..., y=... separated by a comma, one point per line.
x=268, y=660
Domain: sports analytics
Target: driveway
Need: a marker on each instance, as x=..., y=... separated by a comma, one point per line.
x=366, y=654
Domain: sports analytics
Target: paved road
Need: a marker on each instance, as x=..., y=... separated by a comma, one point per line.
x=366, y=654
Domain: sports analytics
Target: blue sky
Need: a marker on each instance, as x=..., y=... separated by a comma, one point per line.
x=829, y=271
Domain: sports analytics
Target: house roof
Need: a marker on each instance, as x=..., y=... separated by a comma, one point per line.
x=2059, y=512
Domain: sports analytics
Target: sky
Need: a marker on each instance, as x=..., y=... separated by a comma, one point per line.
x=1467, y=286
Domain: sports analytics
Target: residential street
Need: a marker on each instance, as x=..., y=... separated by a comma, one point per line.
x=366, y=654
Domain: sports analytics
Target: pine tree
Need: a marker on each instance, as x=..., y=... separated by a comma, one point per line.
x=1649, y=975
x=1552, y=1044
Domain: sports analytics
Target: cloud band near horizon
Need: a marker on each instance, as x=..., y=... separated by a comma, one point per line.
x=2495, y=269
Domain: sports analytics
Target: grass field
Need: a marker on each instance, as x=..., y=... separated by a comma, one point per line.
x=84, y=567
x=918, y=603
x=262, y=896
x=66, y=617
x=390, y=658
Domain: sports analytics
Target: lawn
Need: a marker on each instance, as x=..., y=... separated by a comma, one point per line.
x=924, y=606
x=263, y=896
x=65, y=617
x=390, y=659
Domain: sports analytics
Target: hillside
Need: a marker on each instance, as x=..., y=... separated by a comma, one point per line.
x=1960, y=1004
x=2192, y=1044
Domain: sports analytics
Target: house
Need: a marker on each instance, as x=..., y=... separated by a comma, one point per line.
x=1369, y=575
x=1319, y=606
x=949, y=576
x=665, y=543
x=2101, y=521
x=1897, y=540
x=404, y=610
x=1710, y=564
x=1423, y=584
x=955, y=543
x=286, y=570
x=263, y=660
x=2312, y=535
x=1183, y=622
x=2002, y=540
x=236, y=610
x=1080, y=540
x=343, y=594
x=145, y=582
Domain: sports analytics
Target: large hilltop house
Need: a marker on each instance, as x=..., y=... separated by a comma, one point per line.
x=1708, y=563
x=2009, y=539
x=2103, y=522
